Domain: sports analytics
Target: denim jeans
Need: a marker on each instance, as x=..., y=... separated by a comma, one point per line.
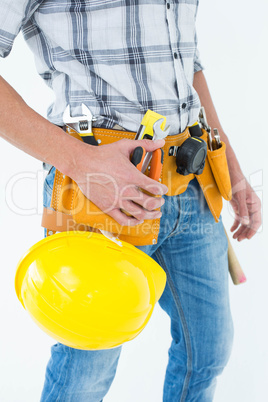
x=192, y=249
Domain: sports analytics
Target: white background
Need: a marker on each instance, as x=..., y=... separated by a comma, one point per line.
x=233, y=44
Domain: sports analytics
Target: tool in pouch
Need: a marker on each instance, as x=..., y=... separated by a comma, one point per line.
x=217, y=143
x=205, y=126
x=152, y=127
x=235, y=269
x=83, y=126
x=212, y=145
x=191, y=155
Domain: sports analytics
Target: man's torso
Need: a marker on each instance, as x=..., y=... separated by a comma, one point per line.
x=119, y=57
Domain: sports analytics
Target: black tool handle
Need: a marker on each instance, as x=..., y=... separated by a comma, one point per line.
x=90, y=139
x=138, y=157
x=195, y=131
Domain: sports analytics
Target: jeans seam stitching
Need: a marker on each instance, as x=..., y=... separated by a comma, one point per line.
x=177, y=221
x=57, y=382
x=66, y=371
x=184, y=326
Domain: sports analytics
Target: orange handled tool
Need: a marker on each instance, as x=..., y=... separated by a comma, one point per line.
x=156, y=164
x=137, y=159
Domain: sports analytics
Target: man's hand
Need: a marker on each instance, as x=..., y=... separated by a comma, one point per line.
x=246, y=204
x=247, y=207
x=106, y=176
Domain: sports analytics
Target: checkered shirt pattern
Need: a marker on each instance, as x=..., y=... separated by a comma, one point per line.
x=119, y=57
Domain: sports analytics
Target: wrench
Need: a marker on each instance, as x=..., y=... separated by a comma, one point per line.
x=81, y=124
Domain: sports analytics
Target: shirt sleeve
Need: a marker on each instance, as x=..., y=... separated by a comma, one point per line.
x=14, y=14
x=198, y=66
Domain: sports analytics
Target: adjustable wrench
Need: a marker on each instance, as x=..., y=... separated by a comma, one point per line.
x=81, y=124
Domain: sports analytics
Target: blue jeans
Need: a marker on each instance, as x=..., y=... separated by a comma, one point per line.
x=192, y=249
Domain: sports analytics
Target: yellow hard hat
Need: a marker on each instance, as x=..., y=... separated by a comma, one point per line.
x=88, y=292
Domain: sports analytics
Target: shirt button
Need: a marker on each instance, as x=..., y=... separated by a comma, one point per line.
x=175, y=55
x=183, y=105
x=168, y=6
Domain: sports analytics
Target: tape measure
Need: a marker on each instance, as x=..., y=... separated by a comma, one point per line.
x=191, y=155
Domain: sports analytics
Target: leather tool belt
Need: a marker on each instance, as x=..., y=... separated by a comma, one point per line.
x=71, y=210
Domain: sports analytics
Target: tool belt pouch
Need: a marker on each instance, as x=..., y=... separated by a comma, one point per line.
x=71, y=210
x=218, y=163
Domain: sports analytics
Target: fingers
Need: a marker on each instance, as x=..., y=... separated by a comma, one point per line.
x=244, y=221
x=134, y=175
x=150, y=203
x=242, y=208
x=236, y=221
x=139, y=212
x=144, y=182
x=136, y=206
x=148, y=145
x=252, y=231
x=137, y=215
x=123, y=219
x=132, y=193
x=235, y=225
x=254, y=209
x=247, y=231
x=252, y=228
x=244, y=232
x=140, y=205
x=239, y=234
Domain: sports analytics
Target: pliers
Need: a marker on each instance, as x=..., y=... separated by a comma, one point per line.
x=138, y=157
x=141, y=159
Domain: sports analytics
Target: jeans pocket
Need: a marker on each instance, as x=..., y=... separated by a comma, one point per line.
x=48, y=187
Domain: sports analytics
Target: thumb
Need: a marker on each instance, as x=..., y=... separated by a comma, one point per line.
x=148, y=145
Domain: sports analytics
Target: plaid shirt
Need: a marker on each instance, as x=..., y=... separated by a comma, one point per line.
x=119, y=57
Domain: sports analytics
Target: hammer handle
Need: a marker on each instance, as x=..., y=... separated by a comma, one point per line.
x=235, y=269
